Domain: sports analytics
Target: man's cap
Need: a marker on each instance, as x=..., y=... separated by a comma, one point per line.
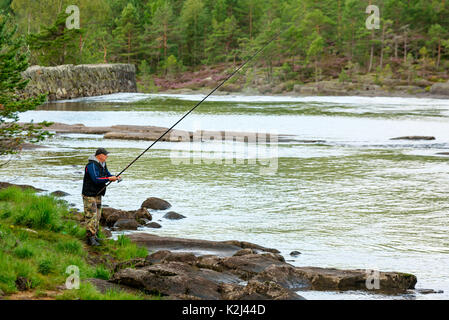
x=101, y=151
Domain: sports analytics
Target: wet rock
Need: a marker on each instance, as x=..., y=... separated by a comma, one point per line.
x=156, y=204
x=256, y=290
x=295, y=253
x=59, y=193
x=173, y=216
x=110, y=216
x=284, y=275
x=154, y=225
x=334, y=279
x=414, y=138
x=429, y=291
x=126, y=224
x=220, y=248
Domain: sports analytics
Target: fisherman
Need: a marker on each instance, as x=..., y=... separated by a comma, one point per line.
x=96, y=175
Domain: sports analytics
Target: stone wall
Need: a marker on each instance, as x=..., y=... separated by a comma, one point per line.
x=73, y=81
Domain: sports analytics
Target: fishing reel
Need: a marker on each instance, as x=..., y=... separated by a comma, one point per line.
x=119, y=180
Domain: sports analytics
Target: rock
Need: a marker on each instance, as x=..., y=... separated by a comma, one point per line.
x=245, y=252
x=156, y=204
x=440, y=88
x=428, y=291
x=126, y=224
x=133, y=263
x=173, y=216
x=256, y=290
x=165, y=255
x=153, y=225
x=414, y=138
x=106, y=232
x=171, y=278
x=334, y=279
x=183, y=281
x=295, y=253
x=4, y=185
x=110, y=216
x=72, y=81
x=59, y=193
x=23, y=283
x=220, y=248
x=249, y=265
x=284, y=275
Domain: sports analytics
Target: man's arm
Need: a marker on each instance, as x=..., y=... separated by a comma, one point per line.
x=95, y=174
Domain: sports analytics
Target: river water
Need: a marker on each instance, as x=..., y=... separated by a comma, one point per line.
x=354, y=199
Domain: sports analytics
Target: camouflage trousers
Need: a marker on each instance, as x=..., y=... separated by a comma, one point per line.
x=92, y=214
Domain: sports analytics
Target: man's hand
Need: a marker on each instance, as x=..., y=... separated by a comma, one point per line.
x=113, y=178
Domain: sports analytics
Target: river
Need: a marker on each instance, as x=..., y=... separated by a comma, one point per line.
x=351, y=199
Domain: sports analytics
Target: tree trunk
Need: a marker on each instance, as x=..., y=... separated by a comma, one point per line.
x=371, y=58
x=382, y=48
x=439, y=53
x=405, y=47
x=129, y=47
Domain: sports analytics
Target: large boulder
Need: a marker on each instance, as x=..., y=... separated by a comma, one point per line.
x=126, y=224
x=110, y=216
x=440, y=88
x=173, y=216
x=177, y=279
x=156, y=204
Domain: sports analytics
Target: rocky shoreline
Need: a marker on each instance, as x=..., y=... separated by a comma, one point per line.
x=194, y=269
x=181, y=268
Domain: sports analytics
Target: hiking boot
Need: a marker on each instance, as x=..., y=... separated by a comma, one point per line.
x=99, y=240
x=91, y=241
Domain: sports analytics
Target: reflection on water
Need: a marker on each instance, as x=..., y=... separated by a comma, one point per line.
x=357, y=200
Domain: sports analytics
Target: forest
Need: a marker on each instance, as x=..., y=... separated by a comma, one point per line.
x=318, y=39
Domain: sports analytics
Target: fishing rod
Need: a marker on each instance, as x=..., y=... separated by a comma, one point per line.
x=191, y=110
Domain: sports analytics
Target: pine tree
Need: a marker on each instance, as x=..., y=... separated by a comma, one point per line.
x=56, y=44
x=13, y=61
x=127, y=33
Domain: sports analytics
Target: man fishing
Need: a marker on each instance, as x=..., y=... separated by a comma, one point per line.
x=96, y=175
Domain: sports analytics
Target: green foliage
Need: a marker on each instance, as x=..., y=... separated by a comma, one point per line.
x=13, y=61
x=41, y=256
x=102, y=273
x=172, y=35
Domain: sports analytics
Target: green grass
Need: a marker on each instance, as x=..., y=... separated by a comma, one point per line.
x=38, y=242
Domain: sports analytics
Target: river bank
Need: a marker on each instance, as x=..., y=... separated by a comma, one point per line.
x=255, y=82
x=179, y=268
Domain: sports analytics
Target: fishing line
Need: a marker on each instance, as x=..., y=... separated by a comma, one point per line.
x=191, y=110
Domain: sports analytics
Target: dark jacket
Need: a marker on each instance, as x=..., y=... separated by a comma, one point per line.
x=95, y=177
